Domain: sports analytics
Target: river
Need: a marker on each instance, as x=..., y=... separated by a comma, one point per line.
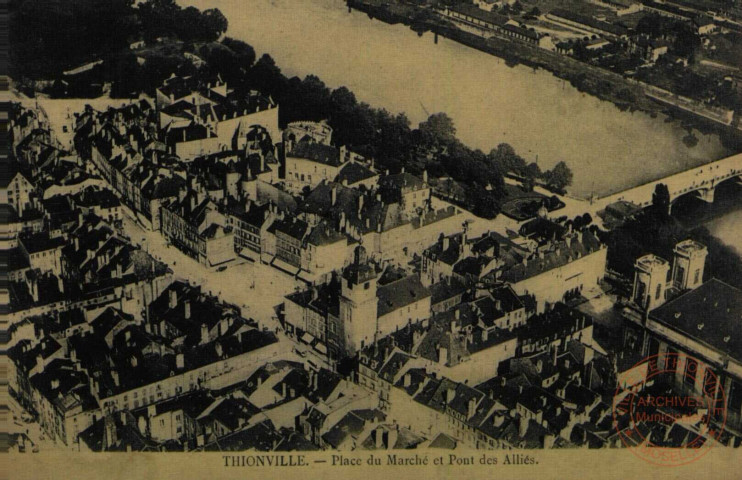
x=539, y=115
x=727, y=228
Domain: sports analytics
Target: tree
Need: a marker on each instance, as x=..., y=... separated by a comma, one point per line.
x=661, y=199
x=559, y=177
x=214, y=23
x=438, y=129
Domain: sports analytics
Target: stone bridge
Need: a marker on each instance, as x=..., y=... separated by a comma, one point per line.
x=700, y=181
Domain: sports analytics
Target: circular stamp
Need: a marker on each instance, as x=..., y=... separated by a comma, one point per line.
x=669, y=409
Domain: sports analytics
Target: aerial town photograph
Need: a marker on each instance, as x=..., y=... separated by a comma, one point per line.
x=373, y=226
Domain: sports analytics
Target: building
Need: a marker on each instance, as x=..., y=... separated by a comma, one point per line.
x=484, y=19
x=309, y=163
x=287, y=233
x=358, y=307
x=648, y=48
x=16, y=190
x=655, y=281
x=587, y=24
x=319, y=132
x=198, y=101
x=575, y=264
x=688, y=265
x=250, y=222
x=125, y=362
x=702, y=324
x=650, y=281
x=704, y=24
x=123, y=146
x=42, y=252
x=194, y=225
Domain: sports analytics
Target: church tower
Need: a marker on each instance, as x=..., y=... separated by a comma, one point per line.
x=688, y=264
x=358, y=303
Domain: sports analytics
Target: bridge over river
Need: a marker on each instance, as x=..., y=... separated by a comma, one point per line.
x=699, y=181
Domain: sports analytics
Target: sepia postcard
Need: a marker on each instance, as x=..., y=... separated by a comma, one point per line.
x=372, y=239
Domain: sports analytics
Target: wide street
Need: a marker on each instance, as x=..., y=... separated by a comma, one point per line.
x=255, y=287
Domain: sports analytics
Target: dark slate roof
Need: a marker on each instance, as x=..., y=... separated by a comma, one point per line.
x=401, y=293
x=443, y=441
x=317, y=152
x=188, y=133
x=350, y=424
x=560, y=254
x=543, y=229
x=291, y=226
x=354, y=172
x=709, y=314
x=41, y=242
x=261, y=437
x=445, y=290
x=324, y=234
x=233, y=412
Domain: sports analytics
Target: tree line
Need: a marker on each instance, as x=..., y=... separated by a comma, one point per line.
x=47, y=40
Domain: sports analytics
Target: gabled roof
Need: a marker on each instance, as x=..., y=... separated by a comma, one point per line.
x=400, y=293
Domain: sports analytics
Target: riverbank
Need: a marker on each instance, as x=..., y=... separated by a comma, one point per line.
x=603, y=84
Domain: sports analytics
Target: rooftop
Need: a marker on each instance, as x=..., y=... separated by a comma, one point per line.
x=710, y=314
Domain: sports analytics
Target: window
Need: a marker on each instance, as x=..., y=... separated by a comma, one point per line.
x=691, y=369
x=658, y=292
x=696, y=276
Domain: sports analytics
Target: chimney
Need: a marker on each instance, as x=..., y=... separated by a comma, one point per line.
x=187, y=307
x=60, y=284
x=523, y=426
x=219, y=350
x=115, y=376
x=204, y=333
x=173, y=299
x=283, y=390
x=446, y=243
x=180, y=361
x=379, y=437
x=425, y=176
x=472, y=408
x=499, y=420
x=360, y=204
x=110, y=432
x=450, y=394
x=123, y=418
x=485, y=335
x=334, y=195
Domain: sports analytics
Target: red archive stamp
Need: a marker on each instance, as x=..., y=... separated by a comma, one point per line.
x=669, y=409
